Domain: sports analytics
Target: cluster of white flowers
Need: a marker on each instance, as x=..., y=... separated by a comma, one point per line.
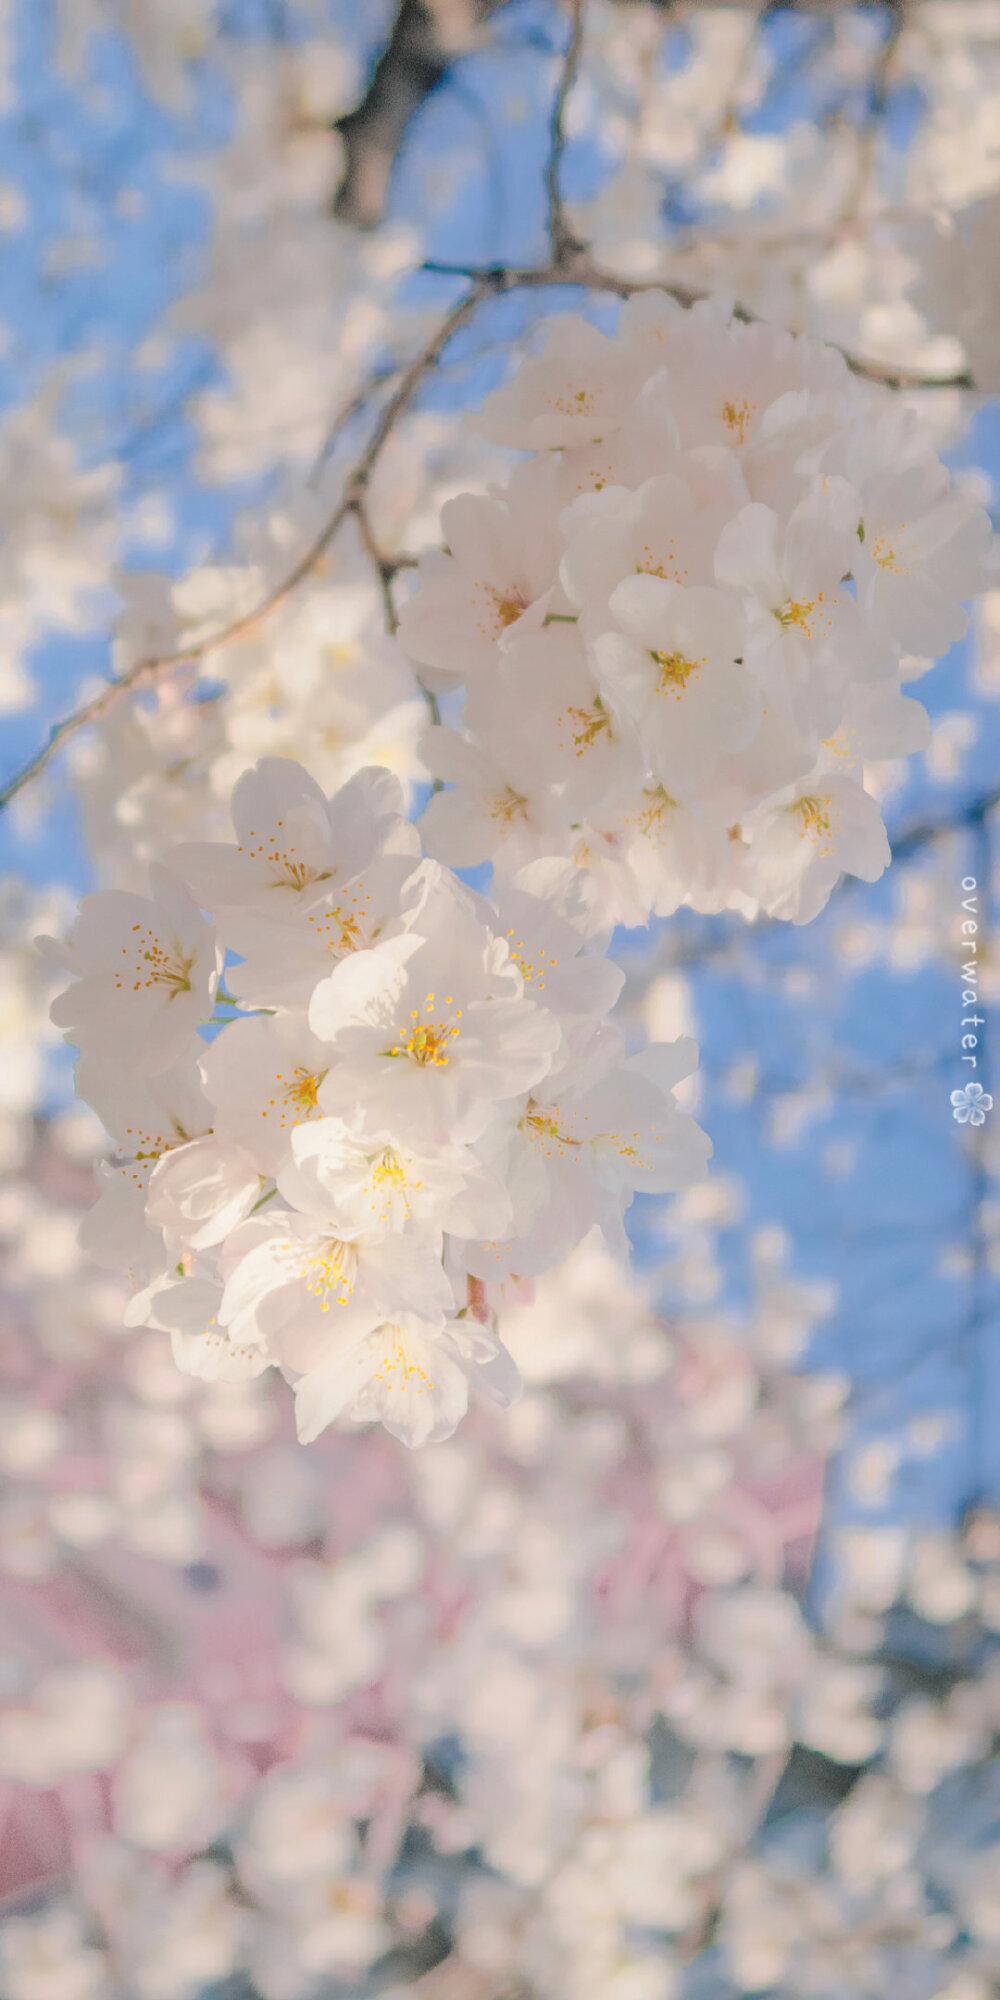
x=427, y=1098
x=684, y=623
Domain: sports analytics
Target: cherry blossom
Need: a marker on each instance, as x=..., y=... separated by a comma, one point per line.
x=805, y=634
x=410, y=1375
x=292, y=842
x=498, y=803
x=262, y=1078
x=496, y=580
x=711, y=615
x=145, y=1011
x=674, y=666
x=429, y=1029
x=372, y=1181
x=289, y=1270
x=921, y=548
x=580, y=1143
x=799, y=844
x=669, y=527
x=576, y=391
x=198, y=1192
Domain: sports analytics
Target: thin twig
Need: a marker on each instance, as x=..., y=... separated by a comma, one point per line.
x=355, y=406
x=384, y=566
x=879, y=84
x=144, y=671
x=565, y=244
x=580, y=270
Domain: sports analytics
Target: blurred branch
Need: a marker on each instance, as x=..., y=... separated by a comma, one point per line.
x=426, y=37
x=565, y=245
x=868, y=138
x=973, y=814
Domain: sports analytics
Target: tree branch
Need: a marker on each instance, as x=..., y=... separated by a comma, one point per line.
x=579, y=269
x=565, y=245
x=385, y=567
x=351, y=502
x=426, y=37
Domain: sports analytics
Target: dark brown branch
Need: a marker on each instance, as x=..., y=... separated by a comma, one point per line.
x=565, y=245
x=426, y=37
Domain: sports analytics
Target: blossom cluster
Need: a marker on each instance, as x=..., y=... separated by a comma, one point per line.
x=684, y=624
x=416, y=1097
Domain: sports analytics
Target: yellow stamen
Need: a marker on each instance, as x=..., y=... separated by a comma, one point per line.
x=737, y=418
x=675, y=672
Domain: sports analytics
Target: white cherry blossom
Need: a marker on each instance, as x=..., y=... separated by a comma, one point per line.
x=292, y=844
x=583, y=1145
x=262, y=1078
x=499, y=804
x=646, y=444
x=496, y=579
x=802, y=842
x=198, y=1192
x=410, y=1375
x=148, y=1119
x=922, y=547
x=672, y=854
x=372, y=1181
x=302, y=1288
x=544, y=914
x=146, y=969
x=284, y=952
x=187, y=1308
x=877, y=722
x=587, y=746
x=805, y=635
x=576, y=390
x=734, y=385
x=429, y=1029
x=675, y=669
x=669, y=527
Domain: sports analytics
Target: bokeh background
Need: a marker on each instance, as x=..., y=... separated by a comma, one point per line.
x=680, y=1681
